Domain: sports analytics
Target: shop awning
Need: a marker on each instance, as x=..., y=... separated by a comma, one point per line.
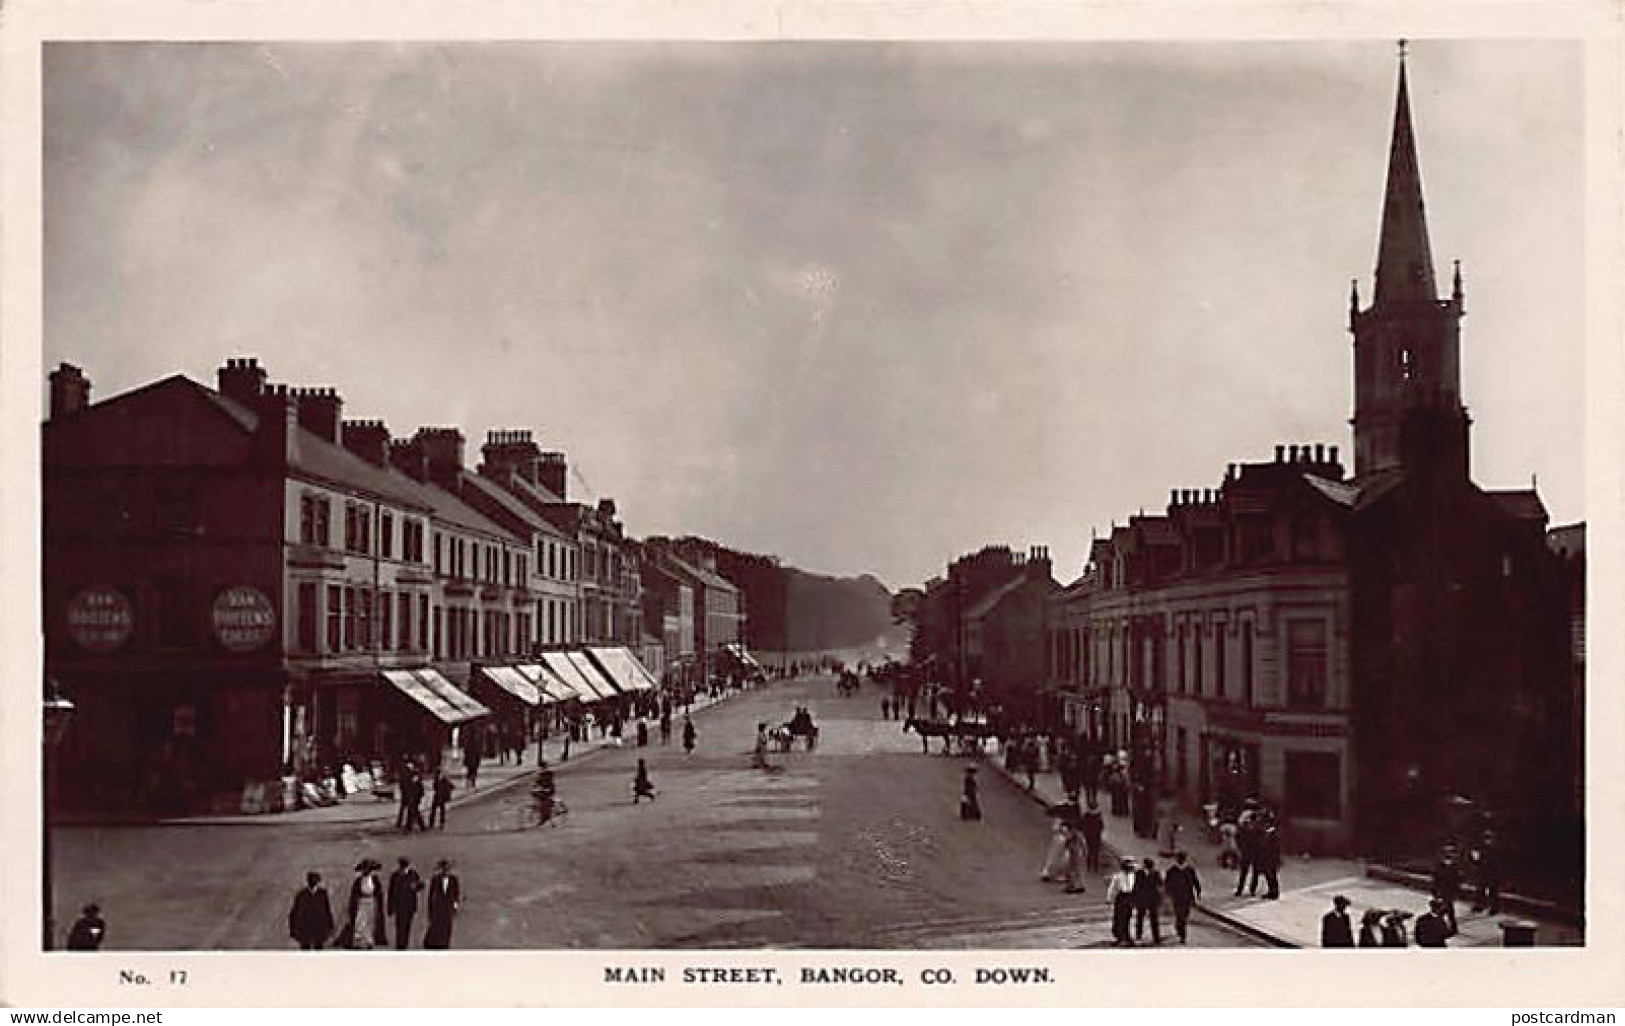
x=566, y=671
x=439, y=696
x=623, y=668
x=600, y=680
x=514, y=683
x=742, y=654
x=547, y=682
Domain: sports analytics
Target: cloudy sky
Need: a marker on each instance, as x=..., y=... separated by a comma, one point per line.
x=866, y=306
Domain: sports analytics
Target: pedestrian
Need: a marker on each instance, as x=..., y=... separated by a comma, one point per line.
x=1447, y=885
x=1029, y=760
x=1091, y=778
x=885, y=708
x=641, y=786
x=643, y=733
x=1335, y=929
x=364, y=913
x=471, y=766
x=1487, y=875
x=688, y=734
x=1055, y=854
x=1074, y=857
x=445, y=898
x=404, y=885
x=1094, y=832
x=1393, y=929
x=1120, y=893
x=970, y=805
x=1183, y=887
x=1432, y=929
x=1247, y=855
x=665, y=726
x=1229, y=849
x=310, y=920
x=441, y=799
x=1148, y=901
x=1070, y=784
x=89, y=930
x=414, y=809
x=1371, y=929
x=405, y=774
x=1269, y=858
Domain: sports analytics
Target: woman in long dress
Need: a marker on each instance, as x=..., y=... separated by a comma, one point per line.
x=365, y=928
x=970, y=805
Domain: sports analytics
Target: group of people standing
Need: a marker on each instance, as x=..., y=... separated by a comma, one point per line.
x=410, y=815
x=1137, y=893
x=1253, y=844
x=1074, y=846
x=373, y=905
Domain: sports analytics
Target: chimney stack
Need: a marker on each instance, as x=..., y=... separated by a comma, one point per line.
x=442, y=455
x=1280, y=454
x=550, y=474
x=319, y=412
x=406, y=455
x=511, y=453
x=1332, y=453
x=278, y=410
x=606, y=508
x=368, y=439
x=1320, y=453
x=70, y=391
x=242, y=379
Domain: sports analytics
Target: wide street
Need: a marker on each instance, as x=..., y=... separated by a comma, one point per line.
x=857, y=844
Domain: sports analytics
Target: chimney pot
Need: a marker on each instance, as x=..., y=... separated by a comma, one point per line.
x=1292, y=454
x=70, y=391
x=1320, y=453
x=1333, y=454
x=1280, y=454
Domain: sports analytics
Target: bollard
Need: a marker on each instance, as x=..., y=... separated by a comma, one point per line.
x=1516, y=933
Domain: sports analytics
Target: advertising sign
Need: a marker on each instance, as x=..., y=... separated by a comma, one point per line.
x=100, y=619
x=243, y=618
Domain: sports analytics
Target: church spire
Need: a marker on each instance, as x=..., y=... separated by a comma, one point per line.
x=1404, y=261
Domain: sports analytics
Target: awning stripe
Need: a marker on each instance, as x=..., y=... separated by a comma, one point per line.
x=567, y=672
x=439, y=696
x=599, y=679
x=514, y=683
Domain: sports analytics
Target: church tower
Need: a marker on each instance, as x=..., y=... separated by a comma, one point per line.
x=1408, y=414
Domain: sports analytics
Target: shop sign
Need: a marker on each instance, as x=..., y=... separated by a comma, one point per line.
x=243, y=619
x=100, y=619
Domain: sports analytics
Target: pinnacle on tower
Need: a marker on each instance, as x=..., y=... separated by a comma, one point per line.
x=1404, y=260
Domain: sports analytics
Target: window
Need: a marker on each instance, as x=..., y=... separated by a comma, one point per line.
x=363, y=534
x=439, y=649
x=1407, y=364
x=386, y=535
x=405, y=618
x=177, y=620
x=1198, y=684
x=1180, y=770
x=423, y=626
x=386, y=624
x=1305, y=537
x=437, y=561
x=1180, y=685
x=1306, y=664
x=351, y=618
x=308, y=616
x=335, y=618
x=1313, y=785
x=1247, y=662
x=1218, y=659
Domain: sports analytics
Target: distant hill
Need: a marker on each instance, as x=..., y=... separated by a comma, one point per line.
x=791, y=609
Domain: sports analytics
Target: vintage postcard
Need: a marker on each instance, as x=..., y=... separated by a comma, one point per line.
x=812, y=504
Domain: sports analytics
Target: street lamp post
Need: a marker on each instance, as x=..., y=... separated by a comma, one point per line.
x=57, y=711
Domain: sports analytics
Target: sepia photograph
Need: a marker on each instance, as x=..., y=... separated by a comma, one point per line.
x=676, y=495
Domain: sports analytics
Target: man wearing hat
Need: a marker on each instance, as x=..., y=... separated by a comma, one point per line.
x=310, y=920
x=404, y=885
x=88, y=931
x=1120, y=892
x=445, y=897
x=1335, y=929
x=1432, y=929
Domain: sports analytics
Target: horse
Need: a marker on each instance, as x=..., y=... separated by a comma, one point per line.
x=969, y=736
x=928, y=729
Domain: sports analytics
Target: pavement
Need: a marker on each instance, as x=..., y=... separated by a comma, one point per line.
x=494, y=777
x=1308, y=884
